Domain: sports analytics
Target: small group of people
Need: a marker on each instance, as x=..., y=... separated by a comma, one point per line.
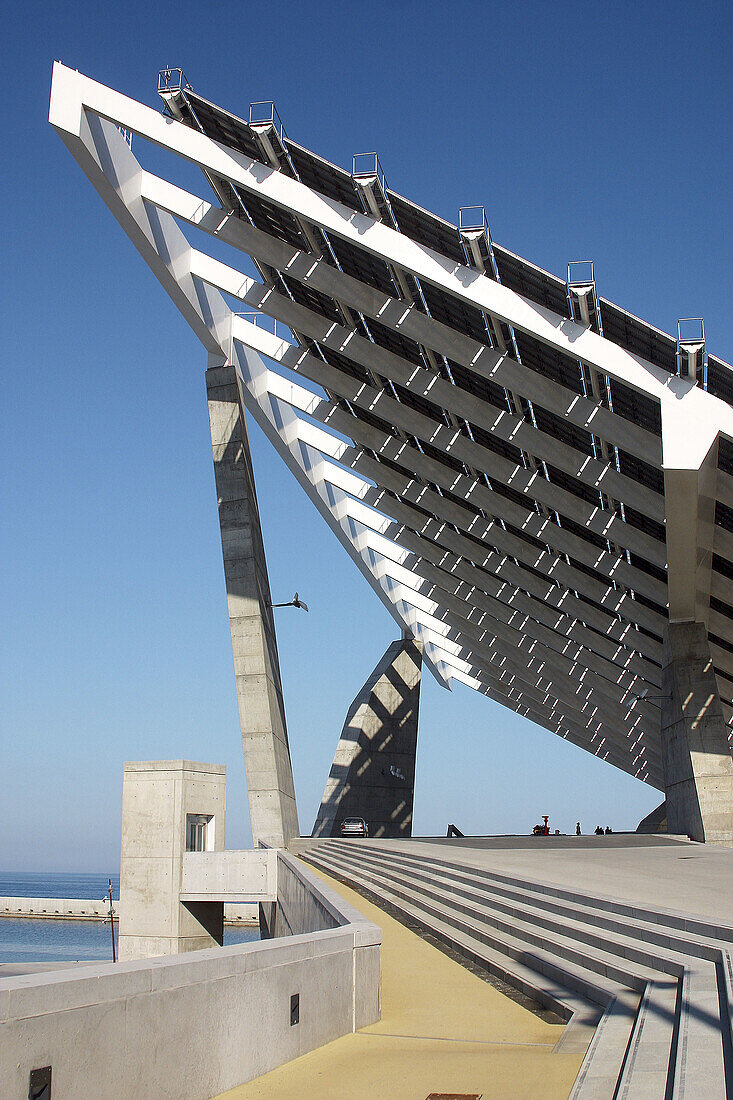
x=599, y=830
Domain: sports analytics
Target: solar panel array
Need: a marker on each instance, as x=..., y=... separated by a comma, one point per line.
x=507, y=496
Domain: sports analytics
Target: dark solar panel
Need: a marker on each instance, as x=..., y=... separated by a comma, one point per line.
x=572, y=485
x=723, y=516
x=721, y=607
x=363, y=266
x=426, y=228
x=455, y=313
x=418, y=403
x=393, y=341
x=368, y=417
x=636, y=407
x=587, y=599
x=514, y=495
x=343, y=363
x=223, y=126
x=584, y=533
x=644, y=523
x=443, y=457
x=394, y=466
x=723, y=566
x=498, y=446
x=646, y=602
x=563, y=430
x=525, y=536
x=466, y=505
x=272, y=219
x=549, y=362
x=725, y=455
x=645, y=566
x=720, y=379
x=600, y=578
x=419, y=508
x=531, y=282
x=638, y=337
x=327, y=179
x=715, y=639
x=313, y=299
x=641, y=471
x=483, y=388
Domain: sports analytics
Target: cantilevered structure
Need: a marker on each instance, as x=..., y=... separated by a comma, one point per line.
x=537, y=484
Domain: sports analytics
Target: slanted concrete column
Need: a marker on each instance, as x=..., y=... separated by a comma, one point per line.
x=267, y=762
x=696, y=752
x=373, y=772
x=167, y=806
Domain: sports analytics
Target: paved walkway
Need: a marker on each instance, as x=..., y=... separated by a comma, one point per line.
x=443, y=1030
x=645, y=870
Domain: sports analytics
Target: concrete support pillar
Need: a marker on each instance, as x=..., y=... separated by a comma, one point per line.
x=267, y=762
x=654, y=822
x=373, y=772
x=696, y=752
x=167, y=806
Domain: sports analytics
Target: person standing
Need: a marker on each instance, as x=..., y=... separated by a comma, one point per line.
x=577, y=828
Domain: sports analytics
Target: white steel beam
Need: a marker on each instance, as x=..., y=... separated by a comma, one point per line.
x=485, y=362
x=690, y=491
x=498, y=422
x=72, y=93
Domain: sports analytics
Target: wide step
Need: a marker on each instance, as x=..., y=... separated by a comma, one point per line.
x=567, y=947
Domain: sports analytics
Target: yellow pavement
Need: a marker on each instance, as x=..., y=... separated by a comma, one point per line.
x=443, y=1030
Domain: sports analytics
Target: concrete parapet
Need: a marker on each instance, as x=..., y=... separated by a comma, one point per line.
x=195, y=1025
x=230, y=876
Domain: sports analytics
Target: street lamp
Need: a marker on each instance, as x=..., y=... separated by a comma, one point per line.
x=651, y=698
x=295, y=602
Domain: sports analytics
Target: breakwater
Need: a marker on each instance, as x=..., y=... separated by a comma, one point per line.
x=91, y=909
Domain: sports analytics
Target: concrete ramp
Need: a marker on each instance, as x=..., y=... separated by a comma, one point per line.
x=650, y=989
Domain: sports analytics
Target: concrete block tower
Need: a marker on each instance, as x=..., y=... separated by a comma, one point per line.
x=168, y=807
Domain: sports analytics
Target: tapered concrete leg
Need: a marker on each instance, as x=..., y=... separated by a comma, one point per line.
x=655, y=822
x=256, y=665
x=373, y=772
x=696, y=752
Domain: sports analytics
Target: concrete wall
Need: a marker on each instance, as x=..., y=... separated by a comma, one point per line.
x=304, y=902
x=157, y=796
x=301, y=904
x=249, y=875
x=191, y=1026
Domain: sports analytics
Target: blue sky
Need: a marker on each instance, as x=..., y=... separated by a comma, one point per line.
x=588, y=131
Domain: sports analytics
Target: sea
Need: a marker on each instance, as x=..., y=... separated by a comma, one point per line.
x=27, y=940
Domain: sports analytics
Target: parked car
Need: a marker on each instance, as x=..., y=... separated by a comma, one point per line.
x=354, y=826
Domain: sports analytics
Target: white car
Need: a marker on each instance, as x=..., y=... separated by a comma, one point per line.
x=354, y=826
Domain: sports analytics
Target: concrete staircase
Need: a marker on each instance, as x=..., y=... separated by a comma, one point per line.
x=651, y=989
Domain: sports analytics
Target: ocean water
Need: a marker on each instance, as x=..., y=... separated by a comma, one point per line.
x=26, y=939
x=40, y=884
